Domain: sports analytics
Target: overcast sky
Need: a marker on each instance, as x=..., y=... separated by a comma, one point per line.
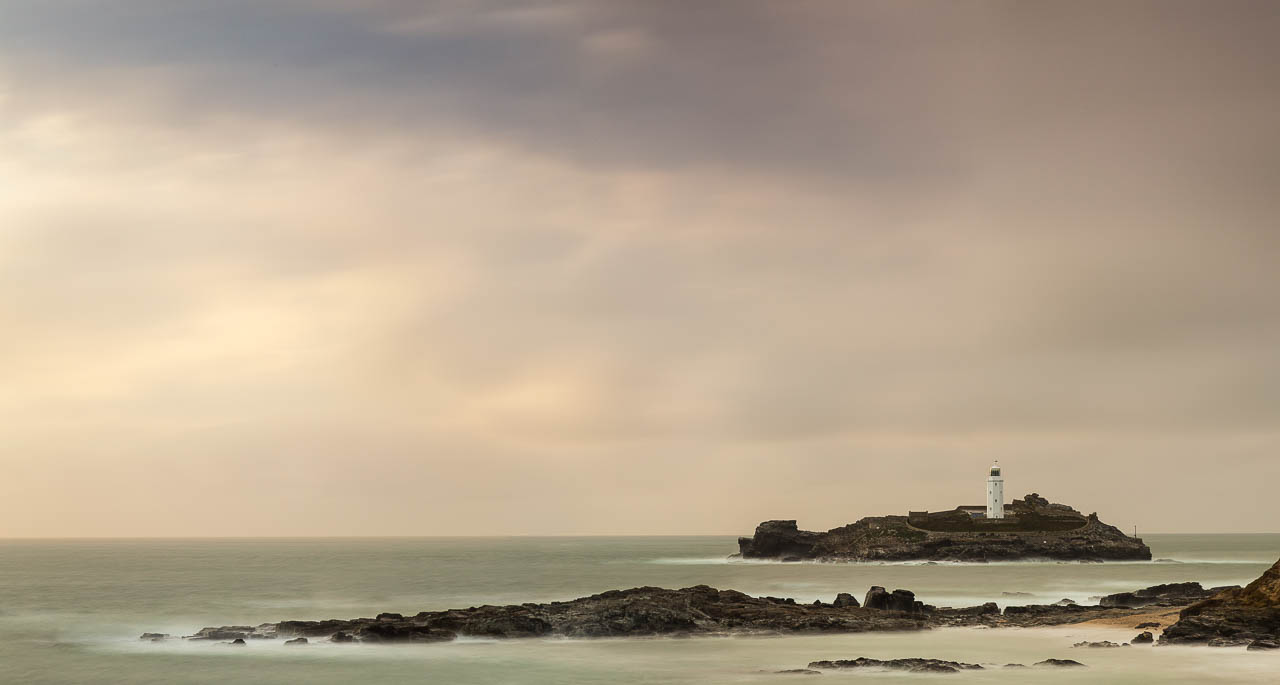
x=384, y=267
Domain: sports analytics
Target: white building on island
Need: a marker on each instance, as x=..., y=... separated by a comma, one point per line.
x=995, y=493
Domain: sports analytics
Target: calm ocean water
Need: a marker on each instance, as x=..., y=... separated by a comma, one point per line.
x=71, y=611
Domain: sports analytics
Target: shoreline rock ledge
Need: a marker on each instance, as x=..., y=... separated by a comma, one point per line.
x=1034, y=528
x=1234, y=617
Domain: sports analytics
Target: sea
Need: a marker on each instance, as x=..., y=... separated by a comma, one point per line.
x=71, y=611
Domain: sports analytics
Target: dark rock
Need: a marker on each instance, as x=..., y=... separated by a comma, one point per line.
x=1015, y=666
x=778, y=539
x=1232, y=616
x=952, y=536
x=237, y=641
x=638, y=611
x=988, y=609
x=1064, y=602
x=799, y=671
x=1060, y=663
x=1143, y=638
x=154, y=637
x=1106, y=644
x=909, y=665
x=1172, y=594
x=223, y=633
x=296, y=641
x=1147, y=624
x=877, y=598
x=390, y=617
x=845, y=599
x=898, y=600
x=1258, y=645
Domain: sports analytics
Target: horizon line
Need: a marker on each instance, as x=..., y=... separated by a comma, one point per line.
x=452, y=537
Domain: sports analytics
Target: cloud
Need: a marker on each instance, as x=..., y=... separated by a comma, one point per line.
x=540, y=266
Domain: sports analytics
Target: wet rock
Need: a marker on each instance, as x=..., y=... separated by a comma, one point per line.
x=1232, y=616
x=1147, y=624
x=388, y=616
x=1059, y=663
x=1104, y=644
x=845, y=599
x=1064, y=603
x=296, y=641
x=877, y=598
x=908, y=665
x=799, y=671
x=1261, y=645
x=898, y=600
x=222, y=633
x=1143, y=638
x=154, y=637
x=1171, y=594
x=778, y=539
x=636, y=612
x=988, y=609
x=237, y=641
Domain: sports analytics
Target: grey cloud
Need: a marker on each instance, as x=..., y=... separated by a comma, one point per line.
x=484, y=250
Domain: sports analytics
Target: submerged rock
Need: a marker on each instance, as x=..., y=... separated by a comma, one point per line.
x=913, y=665
x=1060, y=663
x=1104, y=644
x=296, y=641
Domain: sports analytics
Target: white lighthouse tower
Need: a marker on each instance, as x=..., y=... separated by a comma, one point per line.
x=995, y=493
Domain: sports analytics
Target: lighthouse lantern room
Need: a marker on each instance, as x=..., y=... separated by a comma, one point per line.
x=995, y=493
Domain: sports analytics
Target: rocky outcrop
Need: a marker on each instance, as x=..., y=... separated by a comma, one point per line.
x=898, y=600
x=648, y=611
x=1232, y=617
x=1034, y=528
x=1143, y=638
x=1172, y=594
x=845, y=599
x=639, y=611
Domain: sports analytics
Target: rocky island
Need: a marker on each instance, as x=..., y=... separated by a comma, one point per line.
x=1033, y=528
